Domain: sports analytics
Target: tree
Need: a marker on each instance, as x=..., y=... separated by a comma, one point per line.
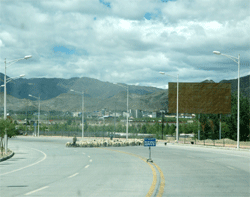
x=9, y=126
x=244, y=118
x=172, y=130
x=144, y=128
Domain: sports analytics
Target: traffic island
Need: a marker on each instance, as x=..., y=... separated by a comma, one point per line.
x=4, y=157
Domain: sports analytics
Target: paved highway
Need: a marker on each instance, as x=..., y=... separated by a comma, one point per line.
x=45, y=167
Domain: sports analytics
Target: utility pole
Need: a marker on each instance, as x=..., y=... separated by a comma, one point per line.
x=162, y=121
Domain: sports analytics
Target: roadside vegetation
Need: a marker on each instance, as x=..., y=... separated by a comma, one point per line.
x=9, y=126
x=208, y=124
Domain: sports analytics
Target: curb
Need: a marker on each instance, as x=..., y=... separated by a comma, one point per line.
x=7, y=157
x=212, y=147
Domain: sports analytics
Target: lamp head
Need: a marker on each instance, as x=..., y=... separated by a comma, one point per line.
x=217, y=52
x=162, y=73
x=30, y=95
x=22, y=75
x=27, y=57
x=72, y=90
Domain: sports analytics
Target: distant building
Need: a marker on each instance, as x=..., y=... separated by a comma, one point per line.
x=124, y=114
x=136, y=113
x=156, y=114
x=76, y=114
x=115, y=114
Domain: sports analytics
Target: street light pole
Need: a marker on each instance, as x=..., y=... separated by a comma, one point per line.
x=82, y=115
x=5, y=94
x=5, y=111
x=127, y=110
x=38, y=98
x=238, y=111
x=82, y=93
x=177, y=110
x=38, y=116
x=177, y=105
x=127, y=116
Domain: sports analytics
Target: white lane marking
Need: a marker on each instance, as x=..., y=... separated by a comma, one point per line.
x=73, y=175
x=90, y=160
x=27, y=165
x=86, y=166
x=210, y=161
x=36, y=190
x=88, y=156
x=231, y=167
x=83, y=153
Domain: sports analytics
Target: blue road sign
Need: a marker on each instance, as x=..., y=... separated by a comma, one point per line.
x=149, y=142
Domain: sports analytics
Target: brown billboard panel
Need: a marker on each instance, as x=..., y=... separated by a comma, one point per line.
x=200, y=98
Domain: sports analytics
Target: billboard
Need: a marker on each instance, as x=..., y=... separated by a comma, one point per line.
x=200, y=98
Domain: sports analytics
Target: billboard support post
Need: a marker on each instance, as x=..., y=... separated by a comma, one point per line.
x=220, y=128
x=199, y=131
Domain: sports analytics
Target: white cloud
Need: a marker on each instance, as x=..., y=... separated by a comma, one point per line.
x=118, y=44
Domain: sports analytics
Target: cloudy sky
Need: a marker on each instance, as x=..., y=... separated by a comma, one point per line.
x=126, y=41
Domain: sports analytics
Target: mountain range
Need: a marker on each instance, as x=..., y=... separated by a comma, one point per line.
x=55, y=94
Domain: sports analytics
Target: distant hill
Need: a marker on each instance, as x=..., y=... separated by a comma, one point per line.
x=208, y=81
x=56, y=95
x=244, y=85
x=49, y=88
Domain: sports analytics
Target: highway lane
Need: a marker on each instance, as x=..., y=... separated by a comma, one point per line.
x=188, y=170
x=45, y=167
x=198, y=171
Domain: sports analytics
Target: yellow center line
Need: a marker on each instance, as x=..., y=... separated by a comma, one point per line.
x=153, y=185
x=162, y=184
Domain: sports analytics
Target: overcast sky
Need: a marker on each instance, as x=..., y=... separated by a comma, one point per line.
x=126, y=41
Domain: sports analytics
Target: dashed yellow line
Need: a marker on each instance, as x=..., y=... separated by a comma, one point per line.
x=153, y=185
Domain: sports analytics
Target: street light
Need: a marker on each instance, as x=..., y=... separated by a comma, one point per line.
x=10, y=79
x=127, y=109
x=237, y=60
x=82, y=93
x=177, y=111
x=38, y=98
x=5, y=110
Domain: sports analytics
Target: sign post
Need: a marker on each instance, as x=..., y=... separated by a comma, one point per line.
x=149, y=142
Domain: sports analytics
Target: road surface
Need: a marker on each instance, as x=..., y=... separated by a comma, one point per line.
x=45, y=167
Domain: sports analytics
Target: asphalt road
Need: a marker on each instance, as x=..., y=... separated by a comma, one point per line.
x=45, y=167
